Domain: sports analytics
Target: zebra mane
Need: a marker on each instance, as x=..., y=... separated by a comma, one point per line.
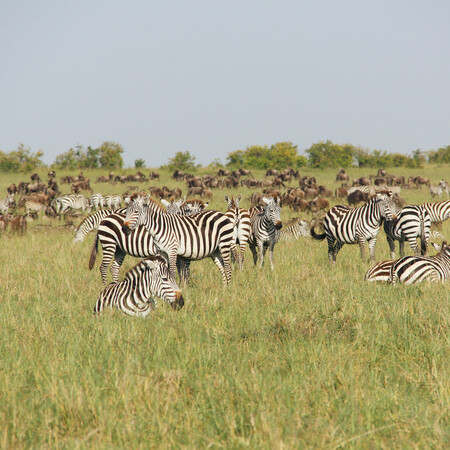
x=142, y=266
x=195, y=200
x=146, y=199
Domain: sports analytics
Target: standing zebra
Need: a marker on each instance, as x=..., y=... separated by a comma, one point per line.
x=195, y=237
x=379, y=272
x=415, y=269
x=438, y=211
x=242, y=227
x=97, y=201
x=345, y=225
x=266, y=228
x=7, y=203
x=412, y=222
x=133, y=295
x=113, y=201
x=64, y=203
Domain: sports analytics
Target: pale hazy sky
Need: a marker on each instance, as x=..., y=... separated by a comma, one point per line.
x=212, y=76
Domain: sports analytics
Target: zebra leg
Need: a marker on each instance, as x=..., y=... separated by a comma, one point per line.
x=241, y=255
x=262, y=250
x=183, y=267
x=401, y=245
x=271, y=247
x=252, y=246
x=391, y=244
x=218, y=261
x=331, y=253
x=117, y=263
x=372, y=243
x=413, y=244
x=108, y=253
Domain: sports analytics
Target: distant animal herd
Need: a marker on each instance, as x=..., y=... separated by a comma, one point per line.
x=168, y=231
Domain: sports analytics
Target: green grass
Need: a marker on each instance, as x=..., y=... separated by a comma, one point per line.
x=305, y=356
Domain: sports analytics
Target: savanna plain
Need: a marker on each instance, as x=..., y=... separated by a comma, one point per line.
x=305, y=356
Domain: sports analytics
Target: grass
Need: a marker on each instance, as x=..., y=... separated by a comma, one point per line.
x=305, y=356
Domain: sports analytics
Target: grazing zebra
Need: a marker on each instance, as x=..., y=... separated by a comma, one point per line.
x=415, y=269
x=134, y=294
x=97, y=201
x=113, y=201
x=92, y=222
x=412, y=222
x=438, y=211
x=345, y=225
x=379, y=272
x=195, y=237
x=116, y=245
x=266, y=228
x=7, y=203
x=295, y=229
x=65, y=202
x=242, y=227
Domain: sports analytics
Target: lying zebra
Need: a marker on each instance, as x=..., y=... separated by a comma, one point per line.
x=134, y=294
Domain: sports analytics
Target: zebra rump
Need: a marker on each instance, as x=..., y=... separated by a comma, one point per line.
x=134, y=294
x=379, y=272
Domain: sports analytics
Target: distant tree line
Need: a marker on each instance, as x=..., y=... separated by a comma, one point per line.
x=278, y=156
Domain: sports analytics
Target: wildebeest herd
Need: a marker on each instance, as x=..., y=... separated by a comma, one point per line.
x=168, y=232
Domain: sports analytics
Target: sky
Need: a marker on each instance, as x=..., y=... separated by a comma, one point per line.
x=211, y=77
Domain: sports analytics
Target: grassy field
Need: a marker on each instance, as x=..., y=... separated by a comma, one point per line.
x=305, y=356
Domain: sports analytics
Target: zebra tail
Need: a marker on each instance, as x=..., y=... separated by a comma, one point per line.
x=423, y=238
x=93, y=252
x=317, y=237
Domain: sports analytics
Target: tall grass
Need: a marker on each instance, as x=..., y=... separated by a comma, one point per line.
x=305, y=356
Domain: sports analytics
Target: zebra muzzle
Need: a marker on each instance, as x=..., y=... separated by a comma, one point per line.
x=279, y=225
x=179, y=301
x=126, y=228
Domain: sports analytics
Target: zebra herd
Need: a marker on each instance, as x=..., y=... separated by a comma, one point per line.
x=167, y=236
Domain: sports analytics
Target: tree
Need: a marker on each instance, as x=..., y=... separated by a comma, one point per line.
x=181, y=161
x=328, y=154
x=111, y=155
x=139, y=163
x=21, y=159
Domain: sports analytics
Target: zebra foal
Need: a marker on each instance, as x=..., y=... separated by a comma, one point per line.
x=134, y=294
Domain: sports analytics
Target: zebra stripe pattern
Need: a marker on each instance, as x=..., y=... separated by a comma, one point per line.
x=92, y=222
x=7, y=203
x=134, y=294
x=413, y=222
x=97, y=201
x=116, y=245
x=345, y=225
x=195, y=237
x=242, y=227
x=64, y=203
x=265, y=230
x=112, y=201
x=438, y=211
x=295, y=229
x=415, y=269
x=379, y=272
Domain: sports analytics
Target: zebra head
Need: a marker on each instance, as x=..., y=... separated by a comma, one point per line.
x=163, y=285
x=272, y=211
x=136, y=213
x=173, y=207
x=233, y=203
x=387, y=205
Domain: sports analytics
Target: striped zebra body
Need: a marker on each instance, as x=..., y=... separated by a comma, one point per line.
x=7, y=203
x=379, y=272
x=64, y=203
x=415, y=269
x=97, y=201
x=116, y=245
x=242, y=228
x=438, y=211
x=92, y=222
x=345, y=225
x=112, y=201
x=134, y=294
x=266, y=228
x=195, y=237
x=413, y=222
x=296, y=229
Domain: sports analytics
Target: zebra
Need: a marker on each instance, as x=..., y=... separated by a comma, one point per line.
x=134, y=294
x=266, y=228
x=345, y=225
x=7, y=203
x=242, y=227
x=97, y=201
x=415, y=269
x=438, y=211
x=65, y=202
x=295, y=229
x=92, y=222
x=379, y=272
x=113, y=201
x=209, y=233
x=413, y=221
x=183, y=207
x=116, y=245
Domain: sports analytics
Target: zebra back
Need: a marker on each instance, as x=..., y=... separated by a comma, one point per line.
x=379, y=272
x=295, y=229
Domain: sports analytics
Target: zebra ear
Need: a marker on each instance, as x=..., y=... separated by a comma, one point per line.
x=239, y=198
x=165, y=202
x=205, y=205
x=152, y=262
x=266, y=200
x=227, y=199
x=437, y=246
